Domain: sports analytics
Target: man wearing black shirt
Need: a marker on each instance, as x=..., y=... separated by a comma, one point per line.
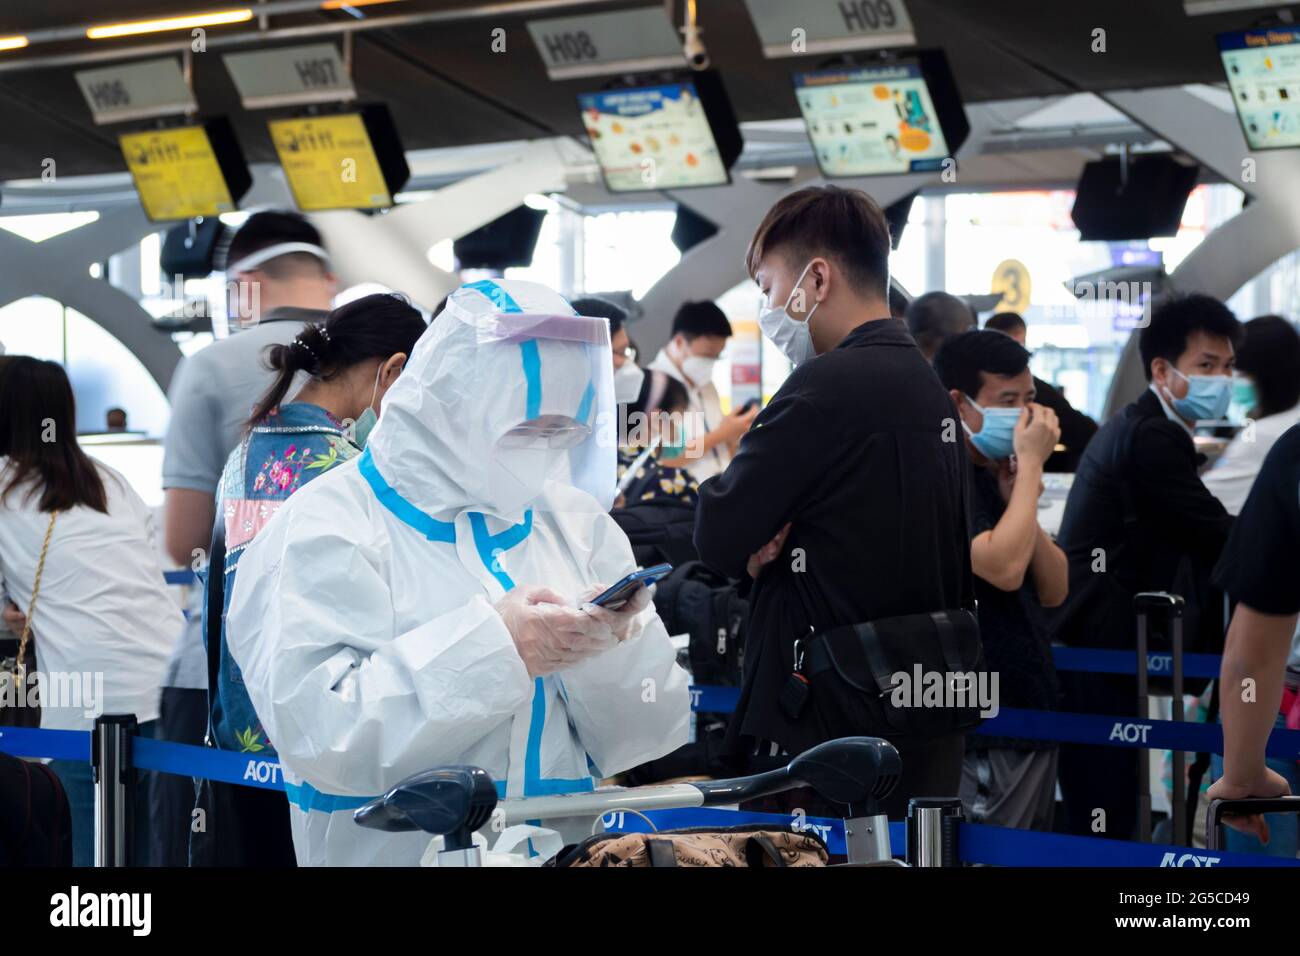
x=1260, y=570
x=1139, y=519
x=1018, y=569
x=846, y=500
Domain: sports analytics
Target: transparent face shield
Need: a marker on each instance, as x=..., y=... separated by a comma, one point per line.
x=557, y=421
x=507, y=390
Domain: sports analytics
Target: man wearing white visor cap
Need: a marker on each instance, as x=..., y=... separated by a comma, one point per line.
x=426, y=605
x=279, y=278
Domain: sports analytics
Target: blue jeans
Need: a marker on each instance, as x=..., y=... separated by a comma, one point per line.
x=1283, y=828
x=78, y=781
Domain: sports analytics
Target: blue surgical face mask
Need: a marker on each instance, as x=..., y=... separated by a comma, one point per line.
x=363, y=426
x=1244, y=394
x=996, y=437
x=368, y=419
x=1207, y=397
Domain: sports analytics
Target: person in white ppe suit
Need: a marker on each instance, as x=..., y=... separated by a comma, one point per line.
x=424, y=605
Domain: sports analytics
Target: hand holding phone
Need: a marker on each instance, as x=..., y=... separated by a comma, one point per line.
x=615, y=597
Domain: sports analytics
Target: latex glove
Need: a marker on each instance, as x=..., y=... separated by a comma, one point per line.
x=621, y=622
x=549, y=635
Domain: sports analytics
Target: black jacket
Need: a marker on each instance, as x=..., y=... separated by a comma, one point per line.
x=860, y=450
x=1077, y=428
x=1170, y=541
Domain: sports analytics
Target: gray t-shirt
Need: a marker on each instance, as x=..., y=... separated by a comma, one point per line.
x=212, y=394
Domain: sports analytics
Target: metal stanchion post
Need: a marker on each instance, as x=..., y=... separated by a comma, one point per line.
x=932, y=831
x=115, y=791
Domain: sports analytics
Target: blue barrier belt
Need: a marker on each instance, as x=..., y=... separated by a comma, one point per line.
x=55, y=744
x=978, y=843
x=998, y=846
x=1125, y=732
x=718, y=700
x=1057, y=726
x=1096, y=661
x=206, y=763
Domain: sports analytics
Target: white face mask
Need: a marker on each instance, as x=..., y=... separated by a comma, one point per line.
x=627, y=382
x=518, y=476
x=699, y=369
x=791, y=336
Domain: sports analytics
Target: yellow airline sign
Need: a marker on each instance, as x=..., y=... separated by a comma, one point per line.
x=330, y=162
x=176, y=173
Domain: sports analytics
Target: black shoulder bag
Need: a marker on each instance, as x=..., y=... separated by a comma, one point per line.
x=907, y=678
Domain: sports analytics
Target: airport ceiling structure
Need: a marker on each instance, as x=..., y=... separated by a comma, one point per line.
x=431, y=62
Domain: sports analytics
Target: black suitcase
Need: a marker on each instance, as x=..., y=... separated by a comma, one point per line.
x=35, y=822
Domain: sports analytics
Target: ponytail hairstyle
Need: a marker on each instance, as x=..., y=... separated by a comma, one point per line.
x=373, y=327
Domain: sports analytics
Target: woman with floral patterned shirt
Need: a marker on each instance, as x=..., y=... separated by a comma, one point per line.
x=349, y=362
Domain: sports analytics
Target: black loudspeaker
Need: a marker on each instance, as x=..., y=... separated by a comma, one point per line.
x=1147, y=199
x=189, y=251
x=896, y=214
x=691, y=228
x=506, y=241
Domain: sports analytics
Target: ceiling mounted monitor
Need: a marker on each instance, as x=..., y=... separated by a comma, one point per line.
x=186, y=171
x=1263, y=68
x=670, y=135
x=189, y=250
x=886, y=118
x=1144, y=200
x=350, y=160
x=504, y=242
x=690, y=229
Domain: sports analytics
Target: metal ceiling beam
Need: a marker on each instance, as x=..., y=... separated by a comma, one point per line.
x=218, y=40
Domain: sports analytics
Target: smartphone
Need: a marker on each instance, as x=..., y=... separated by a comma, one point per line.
x=615, y=597
x=752, y=403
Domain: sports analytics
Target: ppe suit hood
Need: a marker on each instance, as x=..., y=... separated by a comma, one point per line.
x=501, y=353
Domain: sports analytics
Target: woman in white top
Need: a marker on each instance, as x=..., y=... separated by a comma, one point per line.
x=1267, y=385
x=103, y=622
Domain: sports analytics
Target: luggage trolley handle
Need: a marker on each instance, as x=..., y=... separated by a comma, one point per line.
x=1219, y=809
x=1144, y=603
x=858, y=772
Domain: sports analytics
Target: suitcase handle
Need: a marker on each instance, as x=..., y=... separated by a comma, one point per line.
x=1218, y=809
x=1145, y=602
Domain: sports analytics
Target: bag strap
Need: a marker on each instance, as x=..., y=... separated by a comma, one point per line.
x=216, y=602
x=20, y=665
x=947, y=641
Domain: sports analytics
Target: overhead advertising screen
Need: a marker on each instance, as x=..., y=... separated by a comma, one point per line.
x=1263, y=68
x=186, y=171
x=872, y=120
x=330, y=162
x=653, y=137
